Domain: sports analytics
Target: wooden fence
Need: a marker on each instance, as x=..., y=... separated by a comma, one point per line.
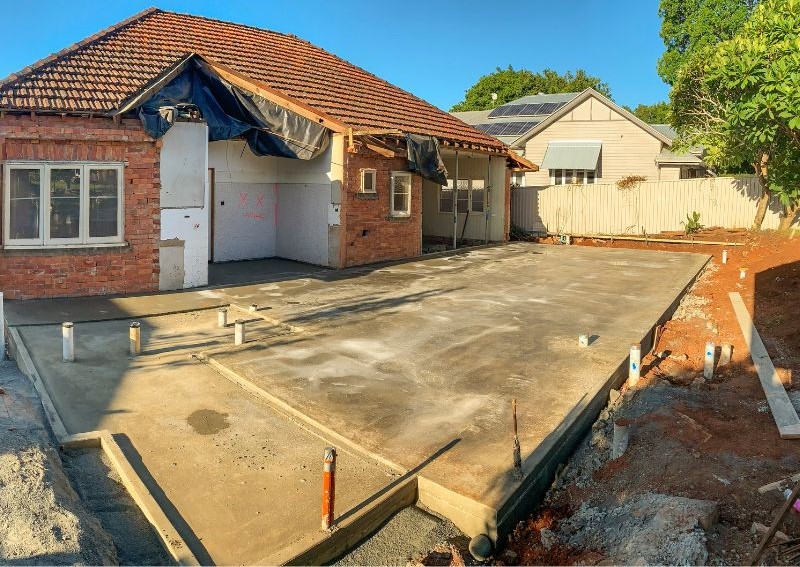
x=649, y=208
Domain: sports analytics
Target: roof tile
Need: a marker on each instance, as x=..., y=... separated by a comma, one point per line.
x=107, y=68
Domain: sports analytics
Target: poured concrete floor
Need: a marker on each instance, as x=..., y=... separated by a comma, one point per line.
x=410, y=361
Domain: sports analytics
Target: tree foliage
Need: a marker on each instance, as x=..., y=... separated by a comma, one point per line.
x=689, y=26
x=658, y=113
x=741, y=100
x=510, y=84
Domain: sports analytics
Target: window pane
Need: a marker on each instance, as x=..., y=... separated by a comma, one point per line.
x=590, y=177
x=463, y=195
x=556, y=175
x=579, y=175
x=477, y=195
x=65, y=203
x=445, y=200
x=368, y=181
x=401, y=194
x=103, y=202
x=25, y=199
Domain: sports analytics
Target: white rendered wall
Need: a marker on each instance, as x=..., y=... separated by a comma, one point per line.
x=269, y=206
x=184, y=163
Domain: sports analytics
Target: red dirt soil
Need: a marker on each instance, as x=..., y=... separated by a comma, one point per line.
x=714, y=441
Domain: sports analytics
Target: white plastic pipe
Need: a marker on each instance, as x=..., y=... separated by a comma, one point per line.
x=724, y=256
x=725, y=354
x=222, y=317
x=67, y=342
x=135, y=336
x=634, y=367
x=253, y=308
x=583, y=340
x=708, y=364
x=238, y=332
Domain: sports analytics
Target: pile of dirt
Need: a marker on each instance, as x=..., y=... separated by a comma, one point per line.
x=42, y=520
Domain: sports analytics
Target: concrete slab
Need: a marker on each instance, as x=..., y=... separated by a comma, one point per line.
x=416, y=362
x=239, y=481
x=415, y=357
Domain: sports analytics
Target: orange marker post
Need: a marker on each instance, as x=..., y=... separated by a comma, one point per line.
x=328, y=487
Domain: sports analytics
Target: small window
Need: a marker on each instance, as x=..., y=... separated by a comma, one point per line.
x=572, y=176
x=368, y=184
x=446, y=197
x=401, y=194
x=58, y=204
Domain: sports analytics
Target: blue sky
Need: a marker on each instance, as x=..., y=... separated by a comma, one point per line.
x=436, y=48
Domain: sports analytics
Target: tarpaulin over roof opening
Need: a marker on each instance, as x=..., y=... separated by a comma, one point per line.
x=424, y=158
x=231, y=112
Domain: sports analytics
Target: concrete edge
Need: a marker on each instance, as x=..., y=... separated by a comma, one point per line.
x=307, y=422
x=128, y=317
x=547, y=458
x=172, y=541
x=325, y=547
x=470, y=516
x=170, y=538
x=19, y=352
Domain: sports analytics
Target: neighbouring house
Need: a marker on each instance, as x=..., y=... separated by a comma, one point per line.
x=584, y=138
x=134, y=158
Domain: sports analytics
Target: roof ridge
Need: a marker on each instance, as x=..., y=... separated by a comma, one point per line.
x=32, y=68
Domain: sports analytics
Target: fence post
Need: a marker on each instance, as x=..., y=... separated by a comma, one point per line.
x=328, y=487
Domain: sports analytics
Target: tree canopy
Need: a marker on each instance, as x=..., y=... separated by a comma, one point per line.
x=510, y=84
x=658, y=113
x=741, y=100
x=689, y=26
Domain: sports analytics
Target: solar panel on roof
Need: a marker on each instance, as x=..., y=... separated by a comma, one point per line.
x=506, y=128
x=536, y=109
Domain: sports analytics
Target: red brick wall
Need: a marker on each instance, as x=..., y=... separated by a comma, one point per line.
x=369, y=233
x=87, y=271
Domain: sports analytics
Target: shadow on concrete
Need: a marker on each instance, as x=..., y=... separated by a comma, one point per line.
x=169, y=509
x=374, y=305
x=390, y=487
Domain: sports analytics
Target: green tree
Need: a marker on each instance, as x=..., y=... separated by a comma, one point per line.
x=741, y=99
x=689, y=26
x=510, y=84
x=658, y=113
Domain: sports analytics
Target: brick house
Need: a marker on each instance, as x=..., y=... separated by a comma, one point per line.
x=122, y=174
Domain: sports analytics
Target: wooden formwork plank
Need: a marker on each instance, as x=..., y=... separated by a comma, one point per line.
x=783, y=411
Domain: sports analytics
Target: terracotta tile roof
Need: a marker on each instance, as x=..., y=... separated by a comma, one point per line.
x=97, y=74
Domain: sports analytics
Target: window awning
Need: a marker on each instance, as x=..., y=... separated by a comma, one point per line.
x=572, y=155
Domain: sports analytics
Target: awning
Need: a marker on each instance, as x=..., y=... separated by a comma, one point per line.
x=572, y=155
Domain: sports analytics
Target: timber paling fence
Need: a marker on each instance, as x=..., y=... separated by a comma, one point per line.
x=647, y=208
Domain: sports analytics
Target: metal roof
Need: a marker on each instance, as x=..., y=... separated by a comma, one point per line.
x=666, y=129
x=572, y=154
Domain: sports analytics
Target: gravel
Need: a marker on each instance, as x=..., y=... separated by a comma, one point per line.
x=42, y=520
x=409, y=534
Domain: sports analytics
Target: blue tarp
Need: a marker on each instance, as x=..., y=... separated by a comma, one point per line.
x=231, y=112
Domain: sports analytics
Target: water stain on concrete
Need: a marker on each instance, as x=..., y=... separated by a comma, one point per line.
x=208, y=422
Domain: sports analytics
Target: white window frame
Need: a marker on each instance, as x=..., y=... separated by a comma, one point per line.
x=559, y=179
x=394, y=175
x=449, y=187
x=44, y=240
x=369, y=173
